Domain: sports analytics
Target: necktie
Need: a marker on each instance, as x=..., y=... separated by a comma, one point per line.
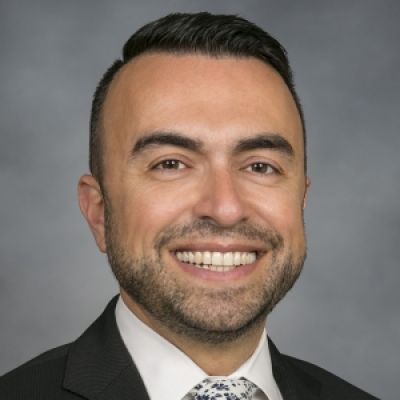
x=224, y=389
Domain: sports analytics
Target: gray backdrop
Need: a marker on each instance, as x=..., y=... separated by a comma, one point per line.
x=344, y=312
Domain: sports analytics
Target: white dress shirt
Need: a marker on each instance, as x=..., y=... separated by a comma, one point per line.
x=169, y=374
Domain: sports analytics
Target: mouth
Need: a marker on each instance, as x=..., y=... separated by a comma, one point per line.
x=217, y=261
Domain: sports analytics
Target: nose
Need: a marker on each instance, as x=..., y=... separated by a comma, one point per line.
x=220, y=200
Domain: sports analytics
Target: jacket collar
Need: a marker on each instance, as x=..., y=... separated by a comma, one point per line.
x=100, y=367
x=294, y=383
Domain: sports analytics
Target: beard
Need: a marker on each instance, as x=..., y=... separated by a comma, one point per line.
x=206, y=314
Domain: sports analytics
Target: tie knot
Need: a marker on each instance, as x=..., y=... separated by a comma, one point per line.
x=224, y=389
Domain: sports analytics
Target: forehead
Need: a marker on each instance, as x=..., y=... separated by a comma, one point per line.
x=216, y=99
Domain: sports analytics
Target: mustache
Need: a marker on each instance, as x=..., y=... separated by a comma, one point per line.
x=208, y=228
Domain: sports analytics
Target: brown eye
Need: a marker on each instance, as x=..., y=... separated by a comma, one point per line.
x=170, y=164
x=262, y=168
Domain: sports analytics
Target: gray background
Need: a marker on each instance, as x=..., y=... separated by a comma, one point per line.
x=344, y=312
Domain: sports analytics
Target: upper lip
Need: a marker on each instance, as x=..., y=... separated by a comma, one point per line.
x=214, y=246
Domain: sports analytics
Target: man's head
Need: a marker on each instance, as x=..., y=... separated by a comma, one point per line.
x=201, y=33
x=201, y=183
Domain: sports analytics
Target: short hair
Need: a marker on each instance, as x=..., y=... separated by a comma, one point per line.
x=198, y=33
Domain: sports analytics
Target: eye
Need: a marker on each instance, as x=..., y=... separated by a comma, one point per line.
x=261, y=168
x=170, y=164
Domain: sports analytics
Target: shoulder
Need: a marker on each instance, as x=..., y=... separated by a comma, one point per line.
x=332, y=386
x=40, y=377
x=84, y=364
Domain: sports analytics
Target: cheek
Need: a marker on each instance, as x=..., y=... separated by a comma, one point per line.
x=149, y=210
x=280, y=209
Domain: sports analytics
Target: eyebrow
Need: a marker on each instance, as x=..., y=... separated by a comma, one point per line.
x=167, y=139
x=273, y=141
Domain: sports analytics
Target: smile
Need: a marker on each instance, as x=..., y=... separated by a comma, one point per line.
x=216, y=261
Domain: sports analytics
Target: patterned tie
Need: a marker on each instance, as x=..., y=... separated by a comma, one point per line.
x=224, y=389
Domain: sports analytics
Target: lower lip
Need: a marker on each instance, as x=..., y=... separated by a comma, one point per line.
x=232, y=275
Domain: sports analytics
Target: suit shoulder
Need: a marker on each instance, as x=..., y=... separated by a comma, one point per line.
x=42, y=361
x=332, y=386
x=40, y=377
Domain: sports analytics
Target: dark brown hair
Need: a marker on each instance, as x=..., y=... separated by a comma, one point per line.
x=202, y=33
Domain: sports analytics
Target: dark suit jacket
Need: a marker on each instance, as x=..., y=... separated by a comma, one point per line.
x=97, y=366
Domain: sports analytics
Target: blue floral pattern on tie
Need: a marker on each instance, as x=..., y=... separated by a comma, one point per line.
x=224, y=389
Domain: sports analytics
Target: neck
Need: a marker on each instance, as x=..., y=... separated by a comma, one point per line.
x=220, y=359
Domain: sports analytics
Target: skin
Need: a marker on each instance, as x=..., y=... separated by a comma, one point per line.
x=218, y=102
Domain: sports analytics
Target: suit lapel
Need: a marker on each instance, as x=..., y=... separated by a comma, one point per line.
x=99, y=366
x=293, y=383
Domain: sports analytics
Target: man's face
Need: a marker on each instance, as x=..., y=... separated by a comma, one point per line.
x=204, y=190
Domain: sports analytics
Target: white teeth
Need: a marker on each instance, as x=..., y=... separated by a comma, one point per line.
x=198, y=257
x=215, y=260
x=236, y=258
x=206, y=258
x=191, y=257
x=228, y=259
x=252, y=258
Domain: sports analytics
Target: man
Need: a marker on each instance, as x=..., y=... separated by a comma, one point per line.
x=197, y=191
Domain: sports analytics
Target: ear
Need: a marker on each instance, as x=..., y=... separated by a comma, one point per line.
x=307, y=186
x=91, y=203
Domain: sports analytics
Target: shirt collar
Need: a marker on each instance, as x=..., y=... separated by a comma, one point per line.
x=175, y=373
